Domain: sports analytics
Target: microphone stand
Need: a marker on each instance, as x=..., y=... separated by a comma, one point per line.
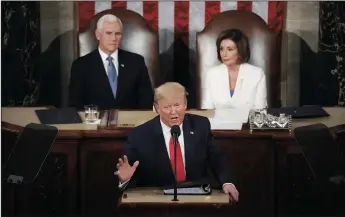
x=175, y=182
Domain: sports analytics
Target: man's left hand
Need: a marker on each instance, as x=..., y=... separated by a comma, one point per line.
x=231, y=190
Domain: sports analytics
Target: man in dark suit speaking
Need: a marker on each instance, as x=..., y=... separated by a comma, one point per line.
x=110, y=77
x=149, y=152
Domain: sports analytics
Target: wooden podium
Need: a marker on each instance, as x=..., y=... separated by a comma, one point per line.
x=153, y=202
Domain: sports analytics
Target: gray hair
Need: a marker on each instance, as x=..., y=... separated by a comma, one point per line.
x=168, y=89
x=107, y=18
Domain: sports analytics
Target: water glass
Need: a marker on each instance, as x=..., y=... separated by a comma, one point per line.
x=91, y=113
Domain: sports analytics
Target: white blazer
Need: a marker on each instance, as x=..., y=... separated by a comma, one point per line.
x=250, y=91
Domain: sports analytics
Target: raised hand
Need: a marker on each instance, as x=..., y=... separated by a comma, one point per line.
x=124, y=170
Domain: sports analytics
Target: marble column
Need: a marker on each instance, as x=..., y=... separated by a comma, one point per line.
x=332, y=53
x=20, y=49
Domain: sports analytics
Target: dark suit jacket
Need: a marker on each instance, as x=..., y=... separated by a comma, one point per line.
x=147, y=145
x=89, y=83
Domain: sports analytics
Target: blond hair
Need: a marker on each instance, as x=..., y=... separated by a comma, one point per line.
x=169, y=89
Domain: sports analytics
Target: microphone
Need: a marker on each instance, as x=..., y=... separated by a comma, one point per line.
x=175, y=133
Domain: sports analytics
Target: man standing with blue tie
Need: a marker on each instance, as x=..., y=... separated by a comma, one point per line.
x=109, y=77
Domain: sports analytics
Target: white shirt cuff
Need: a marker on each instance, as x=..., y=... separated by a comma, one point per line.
x=123, y=184
x=228, y=184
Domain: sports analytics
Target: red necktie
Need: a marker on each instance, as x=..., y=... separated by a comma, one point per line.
x=180, y=176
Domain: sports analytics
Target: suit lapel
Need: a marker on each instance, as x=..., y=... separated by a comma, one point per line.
x=121, y=80
x=224, y=79
x=224, y=87
x=161, y=152
x=189, y=142
x=239, y=84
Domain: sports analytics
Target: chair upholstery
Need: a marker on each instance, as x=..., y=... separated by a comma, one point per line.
x=263, y=44
x=138, y=37
x=339, y=134
x=328, y=168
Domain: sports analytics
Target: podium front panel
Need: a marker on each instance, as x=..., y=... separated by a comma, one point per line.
x=156, y=195
x=152, y=202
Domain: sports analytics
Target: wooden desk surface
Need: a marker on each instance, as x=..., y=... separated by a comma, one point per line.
x=21, y=116
x=156, y=195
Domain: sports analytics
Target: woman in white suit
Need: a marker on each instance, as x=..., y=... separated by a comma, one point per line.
x=234, y=83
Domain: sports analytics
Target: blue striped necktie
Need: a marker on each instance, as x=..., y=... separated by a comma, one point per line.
x=112, y=75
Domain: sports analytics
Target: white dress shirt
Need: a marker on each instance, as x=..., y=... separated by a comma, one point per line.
x=114, y=55
x=167, y=135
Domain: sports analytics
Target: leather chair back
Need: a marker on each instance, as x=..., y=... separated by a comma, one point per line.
x=320, y=150
x=138, y=37
x=339, y=134
x=263, y=44
x=327, y=185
